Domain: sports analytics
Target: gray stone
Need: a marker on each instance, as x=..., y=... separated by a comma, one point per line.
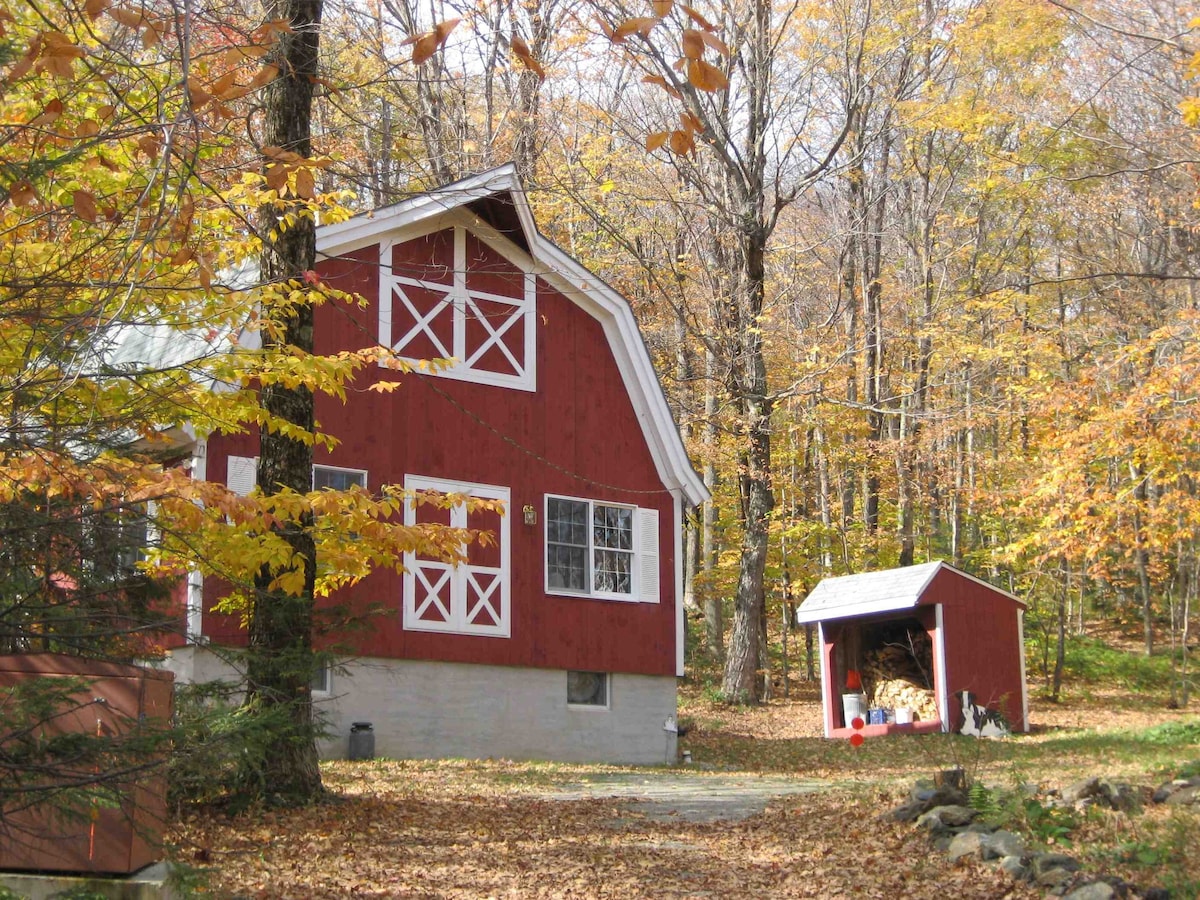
x=1113, y=794
x=1095, y=890
x=1043, y=862
x=907, y=812
x=1000, y=844
x=922, y=789
x=1163, y=791
x=947, y=796
x=969, y=843
x=1052, y=878
x=943, y=818
x=1014, y=867
x=1187, y=796
x=1120, y=795
x=955, y=816
x=1081, y=790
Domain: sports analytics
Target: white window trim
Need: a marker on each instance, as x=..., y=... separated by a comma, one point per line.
x=457, y=294
x=459, y=574
x=244, y=465
x=325, y=694
x=327, y=468
x=645, y=561
x=606, y=706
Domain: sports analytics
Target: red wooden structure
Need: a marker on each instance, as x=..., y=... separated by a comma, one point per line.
x=975, y=629
x=115, y=840
x=551, y=407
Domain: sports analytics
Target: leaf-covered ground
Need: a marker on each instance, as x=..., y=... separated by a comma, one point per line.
x=460, y=829
x=481, y=830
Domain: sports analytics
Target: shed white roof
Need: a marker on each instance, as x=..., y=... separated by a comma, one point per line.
x=889, y=590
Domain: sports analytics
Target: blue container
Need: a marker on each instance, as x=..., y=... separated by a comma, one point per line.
x=876, y=716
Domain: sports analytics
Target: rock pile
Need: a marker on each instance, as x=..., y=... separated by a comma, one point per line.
x=1179, y=792
x=943, y=809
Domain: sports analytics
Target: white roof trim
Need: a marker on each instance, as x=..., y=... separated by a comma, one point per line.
x=364, y=229
x=564, y=273
x=850, y=611
x=824, y=613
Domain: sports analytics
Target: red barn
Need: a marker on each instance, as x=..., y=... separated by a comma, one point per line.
x=564, y=639
x=930, y=622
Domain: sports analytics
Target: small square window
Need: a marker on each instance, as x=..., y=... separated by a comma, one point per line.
x=587, y=689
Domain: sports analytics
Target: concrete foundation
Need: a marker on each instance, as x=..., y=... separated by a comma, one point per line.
x=431, y=710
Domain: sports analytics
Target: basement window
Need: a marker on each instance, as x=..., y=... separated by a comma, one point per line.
x=587, y=689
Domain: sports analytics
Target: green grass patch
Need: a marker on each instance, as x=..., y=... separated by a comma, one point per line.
x=1092, y=663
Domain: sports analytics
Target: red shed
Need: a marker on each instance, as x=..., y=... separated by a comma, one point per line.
x=912, y=640
x=563, y=640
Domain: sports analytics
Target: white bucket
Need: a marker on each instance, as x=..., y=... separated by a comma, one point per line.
x=903, y=715
x=854, y=706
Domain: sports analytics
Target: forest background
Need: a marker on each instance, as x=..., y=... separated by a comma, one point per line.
x=918, y=277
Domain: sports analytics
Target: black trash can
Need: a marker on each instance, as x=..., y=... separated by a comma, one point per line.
x=362, y=741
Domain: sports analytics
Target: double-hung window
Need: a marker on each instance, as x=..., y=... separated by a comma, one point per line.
x=242, y=476
x=600, y=549
x=338, y=479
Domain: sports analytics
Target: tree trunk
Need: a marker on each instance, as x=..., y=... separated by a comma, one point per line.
x=1060, y=652
x=281, y=664
x=742, y=662
x=714, y=618
x=1141, y=495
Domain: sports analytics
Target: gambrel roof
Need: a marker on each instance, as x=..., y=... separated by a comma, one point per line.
x=866, y=593
x=494, y=207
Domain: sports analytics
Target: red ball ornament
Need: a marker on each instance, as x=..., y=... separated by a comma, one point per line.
x=857, y=723
x=856, y=739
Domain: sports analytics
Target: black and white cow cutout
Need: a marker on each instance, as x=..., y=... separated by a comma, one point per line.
x=979, y=721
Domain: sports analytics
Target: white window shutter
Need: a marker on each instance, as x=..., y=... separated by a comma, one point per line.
x=241, y=474
x=648, y=589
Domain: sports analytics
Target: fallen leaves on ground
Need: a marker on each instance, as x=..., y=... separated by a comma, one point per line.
x=454, y=830
x=472, y=829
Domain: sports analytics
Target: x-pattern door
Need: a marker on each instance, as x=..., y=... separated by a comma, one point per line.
x=470, y=597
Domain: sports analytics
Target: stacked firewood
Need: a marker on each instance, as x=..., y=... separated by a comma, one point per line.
x=895, y=675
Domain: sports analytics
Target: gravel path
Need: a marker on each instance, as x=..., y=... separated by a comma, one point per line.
x=673, y=796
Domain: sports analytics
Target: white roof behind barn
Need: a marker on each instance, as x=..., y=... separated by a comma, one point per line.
x=890, y=590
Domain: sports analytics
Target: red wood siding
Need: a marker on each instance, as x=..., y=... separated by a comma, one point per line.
x=983, y=645
x=577, y=435
x=982, y=640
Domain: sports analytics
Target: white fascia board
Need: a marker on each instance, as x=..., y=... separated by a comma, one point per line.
x=633, y=361
x=1024, y=674
x=680, y=562
x=830, y=614
x=366, y=229
x=597, y=299
x=939, y=649
x=828, y=696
